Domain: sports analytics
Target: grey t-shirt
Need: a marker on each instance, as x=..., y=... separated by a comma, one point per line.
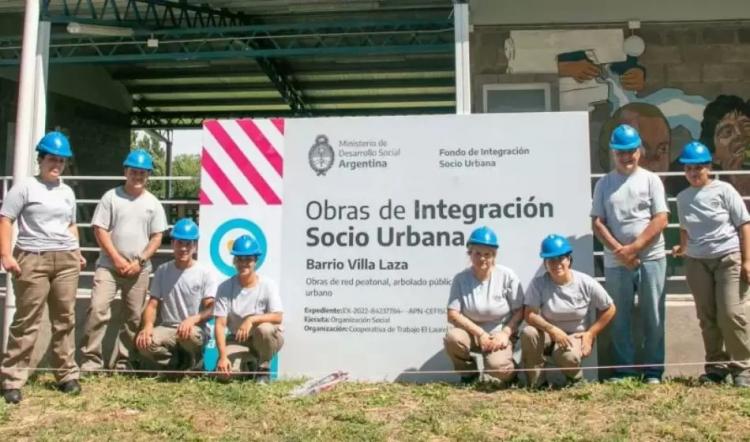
x=567, y=306
x=236, y=303
x=44, y=213
x=489, y=304
x=181, y=292
x=627, y=203
x=711, y=215
x=129, y=220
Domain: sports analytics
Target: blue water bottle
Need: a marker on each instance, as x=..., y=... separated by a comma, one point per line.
x=210, y=350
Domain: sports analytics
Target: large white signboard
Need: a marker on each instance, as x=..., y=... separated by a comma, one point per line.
x=375, y=213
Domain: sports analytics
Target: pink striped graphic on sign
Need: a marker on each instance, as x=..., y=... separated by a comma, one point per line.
x=279, y=123
x=222, y=182
x=203, y=199
x=242, y=163
x=263, y=145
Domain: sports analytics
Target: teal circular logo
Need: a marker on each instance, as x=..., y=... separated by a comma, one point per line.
x=224, y=236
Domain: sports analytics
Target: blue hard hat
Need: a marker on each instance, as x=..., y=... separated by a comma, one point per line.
x=185, y=229
x=625, y=137
x=483, y=236
x=695, y=152
x=139, y=159
x=246, y=245
x=55, y=143
x=555, y=245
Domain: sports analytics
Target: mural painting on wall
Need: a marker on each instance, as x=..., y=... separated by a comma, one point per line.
x=600, y=68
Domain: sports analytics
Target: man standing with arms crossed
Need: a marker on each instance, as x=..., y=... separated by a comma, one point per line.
x=629, y=214
x=128, y=225
x=182, y=297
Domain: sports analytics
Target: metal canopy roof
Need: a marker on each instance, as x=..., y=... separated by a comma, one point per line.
x=261, y=58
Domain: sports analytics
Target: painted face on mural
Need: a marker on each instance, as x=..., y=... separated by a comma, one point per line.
x=655, y=136
x=732, y=139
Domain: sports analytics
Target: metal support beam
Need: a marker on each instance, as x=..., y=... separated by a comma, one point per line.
x=249, y=42
x=264, y=90
x=463, y=73
x=142, y=14
x=194, y=120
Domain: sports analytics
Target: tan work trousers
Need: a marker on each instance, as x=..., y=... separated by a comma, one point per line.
x=535, y=344
x=165, y=343
x=51, y=278
x=133, y=293
x=721, y=303
x=266, y=339
x=459, y=344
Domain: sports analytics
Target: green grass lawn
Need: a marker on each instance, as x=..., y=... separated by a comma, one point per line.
x=123, y=408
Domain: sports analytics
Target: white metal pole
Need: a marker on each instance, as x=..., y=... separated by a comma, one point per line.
x=24, y=126
x=463, y=72
x=41, y=70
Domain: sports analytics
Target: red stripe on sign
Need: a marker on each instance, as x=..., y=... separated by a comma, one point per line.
x=242, y=163
x=203, y=199
x=263, y=145
x=222, y=182
x=279, y=123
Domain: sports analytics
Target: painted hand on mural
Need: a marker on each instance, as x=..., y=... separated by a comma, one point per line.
x=634, y=79
x=580, y=70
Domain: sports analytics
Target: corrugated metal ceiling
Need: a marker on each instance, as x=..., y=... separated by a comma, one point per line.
x=176, y=93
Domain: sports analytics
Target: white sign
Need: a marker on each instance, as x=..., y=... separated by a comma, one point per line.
x=375, y=214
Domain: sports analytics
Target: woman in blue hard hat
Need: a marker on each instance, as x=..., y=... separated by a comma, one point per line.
x=715, y=239
x=557, y=305
x=249, y=306
x=485, y=308
x=45, y=264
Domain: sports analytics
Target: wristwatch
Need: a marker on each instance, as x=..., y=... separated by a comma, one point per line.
x=141, y=260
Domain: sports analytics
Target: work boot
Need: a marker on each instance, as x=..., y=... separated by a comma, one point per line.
x=263, y=376
x=742, y=381
x=12, y=395
x=711, y=378
x=70, y=387
x=469, y=378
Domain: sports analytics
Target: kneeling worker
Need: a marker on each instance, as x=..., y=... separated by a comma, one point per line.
x=182, y=293
x=485, y=308
x=557, y=306
x=250, y=306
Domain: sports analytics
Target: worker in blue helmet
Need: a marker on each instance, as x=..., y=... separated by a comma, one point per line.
x=181, y=301
x=485, y=307
x=45, y=263
x=249, y=306
x=628, y=215
x=557, y=306
x=714, y=233
x=128, y=224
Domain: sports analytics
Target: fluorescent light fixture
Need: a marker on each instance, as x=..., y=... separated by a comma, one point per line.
x=103, y=31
